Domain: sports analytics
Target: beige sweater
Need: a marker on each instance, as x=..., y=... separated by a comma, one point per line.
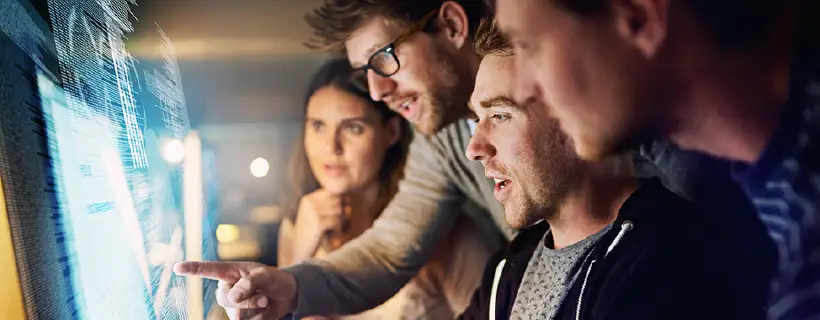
x=440, y=182
x=444, y=288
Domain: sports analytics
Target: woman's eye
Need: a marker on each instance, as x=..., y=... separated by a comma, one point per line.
x=317, y=126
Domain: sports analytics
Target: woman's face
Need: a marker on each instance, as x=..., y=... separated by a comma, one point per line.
x=346, y=140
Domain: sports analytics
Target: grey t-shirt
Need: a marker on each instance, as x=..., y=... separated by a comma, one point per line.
x=549, y=274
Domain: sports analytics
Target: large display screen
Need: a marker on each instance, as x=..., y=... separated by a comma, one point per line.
x=97, y=203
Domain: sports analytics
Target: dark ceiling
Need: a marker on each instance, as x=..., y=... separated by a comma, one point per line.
x=241, y=60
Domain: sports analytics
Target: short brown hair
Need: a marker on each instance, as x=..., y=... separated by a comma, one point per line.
x=336, y=20
x=490, y=41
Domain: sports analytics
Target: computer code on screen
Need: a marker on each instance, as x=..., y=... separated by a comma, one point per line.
x=38, y=236
x=94, y=203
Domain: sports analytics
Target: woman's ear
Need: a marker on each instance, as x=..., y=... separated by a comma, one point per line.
x=393, y=130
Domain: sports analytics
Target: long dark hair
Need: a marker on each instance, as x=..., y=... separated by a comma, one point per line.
x=337, y=73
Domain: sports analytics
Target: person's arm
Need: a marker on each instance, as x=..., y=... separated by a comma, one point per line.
x=284, y=244
x=370, y=269
x=469, y=248
x=479, y=307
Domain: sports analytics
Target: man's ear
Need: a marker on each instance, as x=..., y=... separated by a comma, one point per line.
x=394, y=130
x=643, y=23
x=453, y=22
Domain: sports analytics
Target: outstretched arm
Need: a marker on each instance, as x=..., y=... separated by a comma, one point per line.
x=370, y=269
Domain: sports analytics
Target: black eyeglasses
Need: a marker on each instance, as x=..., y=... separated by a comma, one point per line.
x=384, y=62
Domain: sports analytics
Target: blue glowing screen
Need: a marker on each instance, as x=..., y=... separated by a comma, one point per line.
x=96, y=206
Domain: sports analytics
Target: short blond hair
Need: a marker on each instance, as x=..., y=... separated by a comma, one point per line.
x=490, y=41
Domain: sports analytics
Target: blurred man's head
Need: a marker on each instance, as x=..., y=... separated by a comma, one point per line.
x=615, y=71
x=522, y=149
x=417, y=54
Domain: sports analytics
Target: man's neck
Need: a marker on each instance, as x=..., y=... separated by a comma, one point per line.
x=589, y=207
x=730, y=100
x=732, y=111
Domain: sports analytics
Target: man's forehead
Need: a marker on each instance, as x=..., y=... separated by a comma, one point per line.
x=374, y=34
x=509, y=16
x=509, y=29
x=494, y=74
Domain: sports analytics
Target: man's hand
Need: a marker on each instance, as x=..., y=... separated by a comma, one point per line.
x=247, y=290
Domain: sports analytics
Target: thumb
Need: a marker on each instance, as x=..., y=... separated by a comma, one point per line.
x=256, y=301
x=277, y=285
x=270, y=281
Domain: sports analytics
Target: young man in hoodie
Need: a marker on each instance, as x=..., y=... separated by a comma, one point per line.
x=609, y=246
x=737, y=79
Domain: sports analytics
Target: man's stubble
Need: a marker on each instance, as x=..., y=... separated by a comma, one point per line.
x=448, y=92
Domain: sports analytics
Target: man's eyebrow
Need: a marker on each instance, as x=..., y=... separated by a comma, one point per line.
x=499, y=101
x=369, y=53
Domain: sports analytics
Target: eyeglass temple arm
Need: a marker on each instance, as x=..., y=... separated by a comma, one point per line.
x=416, y=28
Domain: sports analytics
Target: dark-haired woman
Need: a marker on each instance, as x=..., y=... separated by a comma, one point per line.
x=345, y=170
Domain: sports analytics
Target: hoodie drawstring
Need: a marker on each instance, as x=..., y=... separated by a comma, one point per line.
x=626, y=226
x=494, y=293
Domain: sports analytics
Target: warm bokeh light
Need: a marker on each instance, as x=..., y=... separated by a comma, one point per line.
x=227, y=233
x=174, y=151
x=260, y=167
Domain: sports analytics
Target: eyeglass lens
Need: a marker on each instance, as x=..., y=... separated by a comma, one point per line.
x=384, y=63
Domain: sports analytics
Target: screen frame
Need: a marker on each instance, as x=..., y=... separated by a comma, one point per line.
x=11, y=292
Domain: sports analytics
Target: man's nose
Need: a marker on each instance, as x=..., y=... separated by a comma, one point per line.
x=379, y=86
x=480, y=147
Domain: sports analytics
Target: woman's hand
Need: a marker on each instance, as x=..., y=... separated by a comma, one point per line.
x=320, y=213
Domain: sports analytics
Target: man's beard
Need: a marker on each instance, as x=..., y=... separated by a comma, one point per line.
x=541, y=198
x=447, y=97
x=432, y=122
x=530, y=214
x=559, y=176
x=543, y=206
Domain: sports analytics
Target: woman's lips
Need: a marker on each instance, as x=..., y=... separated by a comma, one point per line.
x=335, y=170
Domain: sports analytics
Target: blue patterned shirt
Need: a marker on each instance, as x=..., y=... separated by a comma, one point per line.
x=784, y=186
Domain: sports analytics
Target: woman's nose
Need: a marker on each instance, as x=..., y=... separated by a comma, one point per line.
x=334, y=143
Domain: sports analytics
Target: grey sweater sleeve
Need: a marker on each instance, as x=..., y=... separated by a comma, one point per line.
x=370, y=269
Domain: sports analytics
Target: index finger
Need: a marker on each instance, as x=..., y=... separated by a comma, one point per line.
x=225, y=271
